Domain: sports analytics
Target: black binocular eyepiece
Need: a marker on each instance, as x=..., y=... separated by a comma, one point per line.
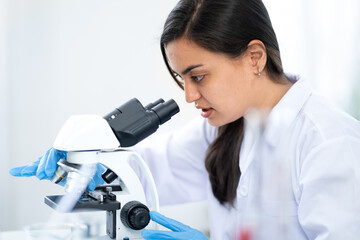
x=131, y=122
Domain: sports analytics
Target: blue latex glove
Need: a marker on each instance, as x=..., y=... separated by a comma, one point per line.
x=45, y=167
x=180, y=231
x=97, y=178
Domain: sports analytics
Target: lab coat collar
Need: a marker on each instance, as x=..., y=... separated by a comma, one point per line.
x=285, y=112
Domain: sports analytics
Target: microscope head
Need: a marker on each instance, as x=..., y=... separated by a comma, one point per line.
x=86, y=133
x=124, y=127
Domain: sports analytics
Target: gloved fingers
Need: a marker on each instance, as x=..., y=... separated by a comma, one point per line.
x=16, y=172
x=97, y=178
x=62, y=154
x=40, y=173
x=168, y=222
x=51, y=165
x=100, y=169
x=25, y=171
x=92, y=185
x=29, y=171
x=158, y=235
x=48, y=163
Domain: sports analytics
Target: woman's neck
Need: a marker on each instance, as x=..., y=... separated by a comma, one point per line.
x=270, y=92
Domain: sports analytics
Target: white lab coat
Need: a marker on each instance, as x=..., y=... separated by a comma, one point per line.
x=300, y=181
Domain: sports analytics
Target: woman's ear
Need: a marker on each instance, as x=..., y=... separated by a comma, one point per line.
x=257, y=56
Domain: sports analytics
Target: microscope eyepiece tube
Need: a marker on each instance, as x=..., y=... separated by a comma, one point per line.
x=131, y=122
x=166, y=110
x=151, y=105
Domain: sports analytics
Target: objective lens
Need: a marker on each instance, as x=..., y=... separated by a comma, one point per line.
x=59, y=175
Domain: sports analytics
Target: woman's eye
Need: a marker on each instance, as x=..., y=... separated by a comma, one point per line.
x=197, y=78
x=178, y=77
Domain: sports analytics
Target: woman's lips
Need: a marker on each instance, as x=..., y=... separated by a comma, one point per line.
x=205, y=113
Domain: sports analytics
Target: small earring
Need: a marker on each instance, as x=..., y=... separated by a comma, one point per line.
x=258, y=73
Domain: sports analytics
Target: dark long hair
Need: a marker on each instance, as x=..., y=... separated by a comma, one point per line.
x=227, y=27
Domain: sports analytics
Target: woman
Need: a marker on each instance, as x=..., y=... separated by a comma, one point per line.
x=305, y=181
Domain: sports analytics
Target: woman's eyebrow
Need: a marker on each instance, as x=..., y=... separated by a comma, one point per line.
x=191, y=67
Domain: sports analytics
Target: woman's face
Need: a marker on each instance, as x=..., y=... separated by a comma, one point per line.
x=221, y=87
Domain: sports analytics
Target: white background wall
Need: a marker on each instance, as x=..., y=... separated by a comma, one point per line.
x=59, y=58
x=4, y=144
x=319, y=39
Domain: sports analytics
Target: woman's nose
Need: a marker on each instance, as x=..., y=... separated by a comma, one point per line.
x=191, y=91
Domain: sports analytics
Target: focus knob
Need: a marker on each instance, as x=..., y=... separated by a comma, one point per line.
x=135, y=215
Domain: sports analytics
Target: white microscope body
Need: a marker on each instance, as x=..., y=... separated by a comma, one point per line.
x=90, y=140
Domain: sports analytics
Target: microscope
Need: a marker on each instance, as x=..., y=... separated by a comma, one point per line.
x=90, y=140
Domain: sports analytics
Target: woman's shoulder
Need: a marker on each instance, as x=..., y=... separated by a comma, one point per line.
x=326, y=119
x=316, y=115
x=323, y=127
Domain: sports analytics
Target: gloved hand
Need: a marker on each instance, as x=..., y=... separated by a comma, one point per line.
x=97, y=178
x=180, y=231
x=45, y=167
